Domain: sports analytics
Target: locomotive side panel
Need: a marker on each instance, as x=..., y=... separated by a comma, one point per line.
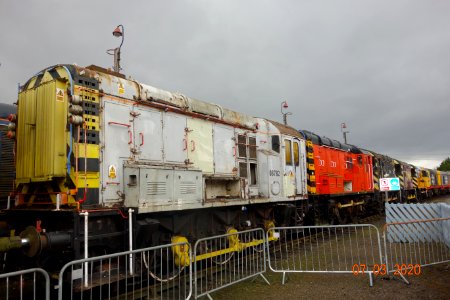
x=174, y=139
x=147, y=135
x=200, y=145
x=225, y=148
x=117, y=142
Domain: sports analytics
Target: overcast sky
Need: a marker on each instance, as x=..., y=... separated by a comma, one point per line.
x=382, y=66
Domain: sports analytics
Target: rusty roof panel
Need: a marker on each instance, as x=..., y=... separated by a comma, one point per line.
x=239, y=118
x=205, y=108
x=288, y=130
x=151, y=93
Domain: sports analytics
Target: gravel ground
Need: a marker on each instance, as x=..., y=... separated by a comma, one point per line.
x=432, y=283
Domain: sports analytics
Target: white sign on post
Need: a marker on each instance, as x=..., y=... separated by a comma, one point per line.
x=390, y=184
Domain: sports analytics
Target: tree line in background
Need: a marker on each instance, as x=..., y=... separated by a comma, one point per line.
x=445, y=165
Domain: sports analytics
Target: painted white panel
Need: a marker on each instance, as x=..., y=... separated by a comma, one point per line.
x=148, y=138
x=117, y=142
x=263, y=153
x=300, y=171
x=224, y=149
x=304, y=168
x=174, y=138
x=275, y=176
x=289, y=170
x=200, y=145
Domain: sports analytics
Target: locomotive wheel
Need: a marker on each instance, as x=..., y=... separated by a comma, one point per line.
x=161, y=266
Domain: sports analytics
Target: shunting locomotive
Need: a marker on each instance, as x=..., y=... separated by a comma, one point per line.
x=139, y=166
x=105, y=163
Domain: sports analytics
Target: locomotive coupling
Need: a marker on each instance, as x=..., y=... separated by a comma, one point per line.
x=33, y=242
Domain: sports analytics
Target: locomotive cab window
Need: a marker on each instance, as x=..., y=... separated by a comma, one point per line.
x=242, y=149
x=276, y=143
x=247, y=157
x=252, y=147
x=360, y=160
x=349, y=162
x=296, y=155
x=288, y=152
x=398, y=169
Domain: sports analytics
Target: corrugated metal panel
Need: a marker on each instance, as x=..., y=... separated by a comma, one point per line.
x=41, y=132
x=26, y=134
x=50, y=131
x=44, y=138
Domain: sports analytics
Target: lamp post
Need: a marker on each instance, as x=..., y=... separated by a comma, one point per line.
x=118, y=32
x=344, y=132
x=284, y=105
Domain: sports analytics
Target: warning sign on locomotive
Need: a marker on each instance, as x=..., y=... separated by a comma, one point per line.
x=390, y=184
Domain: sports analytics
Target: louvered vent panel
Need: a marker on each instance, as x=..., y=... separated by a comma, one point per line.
x=156, y=188
x=188, y=187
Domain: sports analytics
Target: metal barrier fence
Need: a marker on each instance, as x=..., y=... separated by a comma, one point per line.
x=159, y=272
x=223, y=260
x=174, y=272
x=26, y=284
x=411, y=245
x=354, y=249
x=415, y=236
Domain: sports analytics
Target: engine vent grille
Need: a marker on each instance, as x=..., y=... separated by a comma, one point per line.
x=188, y=187
x=156, y=188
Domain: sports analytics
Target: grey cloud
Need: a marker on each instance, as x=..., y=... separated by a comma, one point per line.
x=380, y=66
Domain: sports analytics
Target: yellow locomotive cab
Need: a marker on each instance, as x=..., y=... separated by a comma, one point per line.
x=47, y=144
x=41, y=134
x=424, y=181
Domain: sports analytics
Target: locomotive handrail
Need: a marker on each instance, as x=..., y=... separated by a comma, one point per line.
x=120, y=124
x=142, y=138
